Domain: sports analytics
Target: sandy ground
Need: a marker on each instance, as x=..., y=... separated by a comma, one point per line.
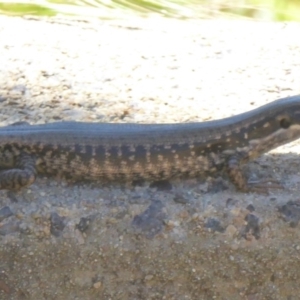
x=142, y=70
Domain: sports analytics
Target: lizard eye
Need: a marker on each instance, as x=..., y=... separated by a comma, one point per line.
x=285, y=123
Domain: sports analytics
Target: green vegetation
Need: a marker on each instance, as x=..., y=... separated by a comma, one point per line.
x=276, y=10
x=25, y=9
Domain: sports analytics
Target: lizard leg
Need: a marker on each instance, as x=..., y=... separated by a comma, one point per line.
x=236, y=176
x=24, y=174
x=238, y=179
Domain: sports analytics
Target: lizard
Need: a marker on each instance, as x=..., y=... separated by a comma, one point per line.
x=132, y=151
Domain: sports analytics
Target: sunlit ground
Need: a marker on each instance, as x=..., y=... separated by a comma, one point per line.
x=274, y=10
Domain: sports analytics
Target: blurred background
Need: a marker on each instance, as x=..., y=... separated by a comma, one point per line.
x=268, y=10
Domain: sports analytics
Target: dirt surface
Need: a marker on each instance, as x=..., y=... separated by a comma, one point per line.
x=190, y=239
